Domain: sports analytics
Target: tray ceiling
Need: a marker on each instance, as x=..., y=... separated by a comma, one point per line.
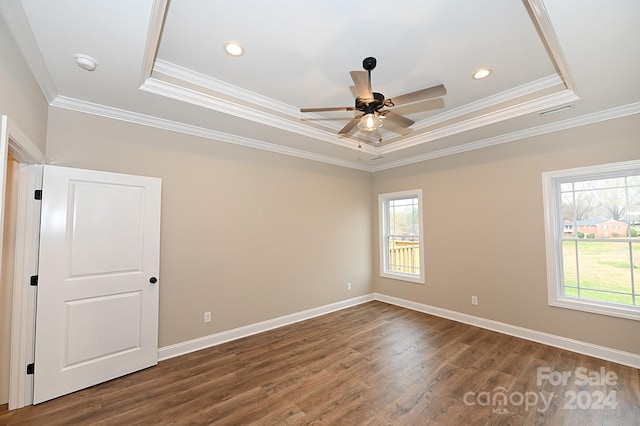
x=162, y=64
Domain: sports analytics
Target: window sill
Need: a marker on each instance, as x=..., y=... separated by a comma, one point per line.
x=402, y=277
x=619, y=311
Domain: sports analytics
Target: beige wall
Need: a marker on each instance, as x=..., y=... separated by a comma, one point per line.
x=251, y=235
x=20, y=96
x=246, y=234
x=503, y=260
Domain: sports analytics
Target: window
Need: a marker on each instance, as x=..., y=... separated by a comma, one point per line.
x=401, y=244
x=592, y=219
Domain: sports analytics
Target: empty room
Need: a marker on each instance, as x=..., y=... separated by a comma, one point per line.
x=354, y=213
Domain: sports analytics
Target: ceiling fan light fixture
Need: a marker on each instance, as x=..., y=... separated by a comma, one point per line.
x=233, y=48
x=482, y=73
x=370, y=122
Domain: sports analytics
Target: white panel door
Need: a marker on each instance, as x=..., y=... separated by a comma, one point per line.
x=97, y=304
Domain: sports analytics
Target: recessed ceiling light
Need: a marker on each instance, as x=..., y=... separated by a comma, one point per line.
x=482, y=73
x=234, y=48
x=86, y=62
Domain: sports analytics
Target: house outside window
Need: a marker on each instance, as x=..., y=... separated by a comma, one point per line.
x=592, y=219
x=401, y=242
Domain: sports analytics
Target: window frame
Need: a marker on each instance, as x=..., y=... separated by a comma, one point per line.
x=554, y=226
x=383, y=206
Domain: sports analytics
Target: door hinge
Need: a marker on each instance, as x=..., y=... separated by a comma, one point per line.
x=37, y=194
x=34, y=280
x=31, y=368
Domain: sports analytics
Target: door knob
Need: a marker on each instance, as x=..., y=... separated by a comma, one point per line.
x=153, y=280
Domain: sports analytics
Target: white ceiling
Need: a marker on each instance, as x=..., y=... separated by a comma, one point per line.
x=162, y=64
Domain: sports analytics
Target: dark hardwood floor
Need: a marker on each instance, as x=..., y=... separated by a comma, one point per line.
x=372, y=364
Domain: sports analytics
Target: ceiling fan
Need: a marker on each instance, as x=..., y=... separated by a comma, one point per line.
x=371, y=103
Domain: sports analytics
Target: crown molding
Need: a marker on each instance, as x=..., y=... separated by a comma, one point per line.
x=184, y=94
x=549, y=101
x=193, y=77
x=174, y=126
x=492, y=101
x=154, y=34
x=542, y=21
x=583, y=120
x=20, y=28
x=146, y=120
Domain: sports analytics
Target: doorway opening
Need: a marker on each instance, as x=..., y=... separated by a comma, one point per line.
x=20, y=175
x=7, y=271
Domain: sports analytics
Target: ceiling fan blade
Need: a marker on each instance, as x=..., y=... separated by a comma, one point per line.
x=397, y=119
x=327, y=109
x=419, y=95
x=350, y=125
x=363, y=84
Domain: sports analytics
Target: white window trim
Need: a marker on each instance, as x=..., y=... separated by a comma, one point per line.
x=552, y=222
x=384, y=272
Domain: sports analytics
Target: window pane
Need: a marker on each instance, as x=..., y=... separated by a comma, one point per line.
x=598, y=208
x=569, y=268
x=634, y=210
x=403, y=217
x=579, y=205
x=600, y=183
x=568, y=214
x=392, y=219
x=404, y=255
x=566, y=187
x=633, y=180
x=404, y=245
x=604, y=271
x=625, y=299
x=635, y=248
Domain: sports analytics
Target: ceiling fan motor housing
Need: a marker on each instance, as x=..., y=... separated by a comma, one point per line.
x=369, y=106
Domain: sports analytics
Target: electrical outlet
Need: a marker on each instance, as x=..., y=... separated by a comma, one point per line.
x=349, y=286
x=207, y=317
x=474, y=300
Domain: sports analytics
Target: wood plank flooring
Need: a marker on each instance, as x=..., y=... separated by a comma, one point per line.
x=372, y=364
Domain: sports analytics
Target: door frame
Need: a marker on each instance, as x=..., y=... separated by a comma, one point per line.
x=13, y=141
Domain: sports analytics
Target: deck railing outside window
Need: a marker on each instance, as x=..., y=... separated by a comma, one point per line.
x=404, y=256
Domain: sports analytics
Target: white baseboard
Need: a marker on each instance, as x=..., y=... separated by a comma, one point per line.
x=601, y=352
x=183, y=348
